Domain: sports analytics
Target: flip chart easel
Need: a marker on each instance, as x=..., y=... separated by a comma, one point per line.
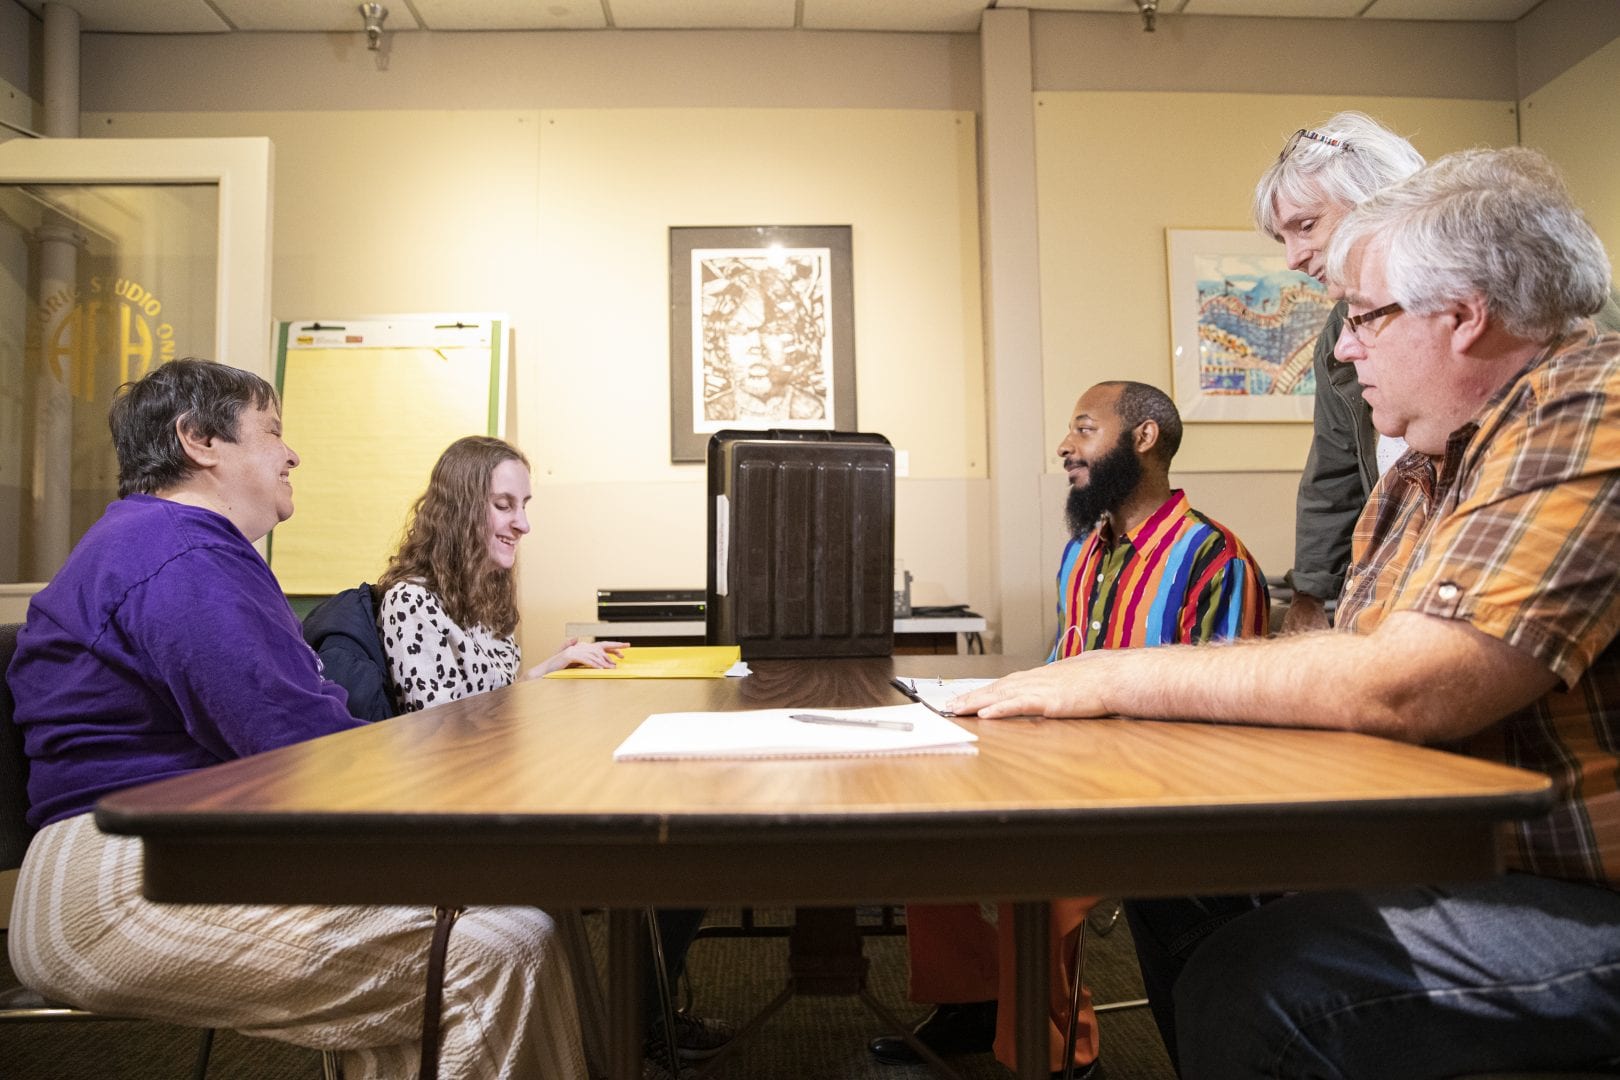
x=369, y=404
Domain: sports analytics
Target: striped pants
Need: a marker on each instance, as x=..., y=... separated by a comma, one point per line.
x=348, y=979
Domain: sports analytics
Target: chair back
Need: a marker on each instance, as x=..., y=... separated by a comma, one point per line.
x=343, y=631
x=14, y=830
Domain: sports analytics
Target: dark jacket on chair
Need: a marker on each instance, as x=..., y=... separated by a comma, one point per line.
x=342, y=629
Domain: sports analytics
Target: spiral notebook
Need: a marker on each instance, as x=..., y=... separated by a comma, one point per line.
x=772, y=733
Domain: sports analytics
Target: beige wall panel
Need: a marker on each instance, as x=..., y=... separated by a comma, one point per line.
x=590, y=536
x=1106, y=195
x=612, y=183
x=378, y=213
x=940, y=534
x=1572, y=119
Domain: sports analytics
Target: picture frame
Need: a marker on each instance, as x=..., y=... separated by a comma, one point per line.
x=761, y=331
x=1243, y=328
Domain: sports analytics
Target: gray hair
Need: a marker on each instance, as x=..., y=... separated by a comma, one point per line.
x=1493, y=223
x=1370, y=158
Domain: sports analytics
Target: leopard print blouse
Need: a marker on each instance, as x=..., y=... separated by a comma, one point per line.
x=431, y=659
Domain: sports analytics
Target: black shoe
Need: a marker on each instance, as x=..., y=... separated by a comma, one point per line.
x=969, y=1028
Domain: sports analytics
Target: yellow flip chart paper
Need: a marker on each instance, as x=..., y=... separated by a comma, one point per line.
x=368, y=424
x=662, y=662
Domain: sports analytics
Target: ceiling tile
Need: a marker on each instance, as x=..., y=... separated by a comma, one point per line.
x=511, y=14
x=917, y=16
x=329, y=16
x=142, y=16
x=1470, y=10
x=702, y=14
x=1302, y=9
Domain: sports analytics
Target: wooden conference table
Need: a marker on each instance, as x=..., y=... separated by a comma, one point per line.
x=513, y=797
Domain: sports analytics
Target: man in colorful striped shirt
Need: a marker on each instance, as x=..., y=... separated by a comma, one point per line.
x=1143, y=568
x=1481, y=613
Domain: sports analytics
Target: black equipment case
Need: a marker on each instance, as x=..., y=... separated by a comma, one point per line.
x=801, y=543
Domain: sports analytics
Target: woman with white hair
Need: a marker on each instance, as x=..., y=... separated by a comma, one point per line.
x=1322, y=174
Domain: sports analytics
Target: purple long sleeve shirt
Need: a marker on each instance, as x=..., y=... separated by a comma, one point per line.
x=162, y=646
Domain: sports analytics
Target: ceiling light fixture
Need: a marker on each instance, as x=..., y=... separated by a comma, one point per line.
x=1150, y=13
x=373, y=14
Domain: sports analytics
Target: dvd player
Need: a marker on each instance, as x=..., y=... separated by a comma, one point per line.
x=635, y=605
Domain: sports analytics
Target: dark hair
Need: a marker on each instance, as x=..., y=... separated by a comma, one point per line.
x=205, y=397
x=1138, y=402
x=446, y=545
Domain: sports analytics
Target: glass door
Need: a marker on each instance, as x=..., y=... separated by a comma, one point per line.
x=115, y=256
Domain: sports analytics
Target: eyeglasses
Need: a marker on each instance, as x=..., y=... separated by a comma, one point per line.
x=1313, y=136
x=1355, y=323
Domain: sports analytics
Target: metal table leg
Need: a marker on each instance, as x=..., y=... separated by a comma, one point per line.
x=1032, y=935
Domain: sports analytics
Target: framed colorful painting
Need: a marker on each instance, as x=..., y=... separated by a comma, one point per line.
x=1243, y=327
x=761, y=331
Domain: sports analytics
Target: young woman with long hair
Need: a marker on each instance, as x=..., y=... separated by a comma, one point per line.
x=449, y=599
x=447, y=614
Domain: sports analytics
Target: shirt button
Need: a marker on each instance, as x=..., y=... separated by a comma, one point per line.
x=1099, y=579
x=1096, y=625
x=1448, y=591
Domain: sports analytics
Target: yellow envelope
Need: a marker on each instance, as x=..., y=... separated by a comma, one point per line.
x=662, y=662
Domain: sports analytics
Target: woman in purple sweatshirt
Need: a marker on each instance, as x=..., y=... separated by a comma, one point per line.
x=165, y=645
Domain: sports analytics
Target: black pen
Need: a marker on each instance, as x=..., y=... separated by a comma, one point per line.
x=851, y=721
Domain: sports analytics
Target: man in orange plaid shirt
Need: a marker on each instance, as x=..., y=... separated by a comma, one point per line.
x=1480, y=613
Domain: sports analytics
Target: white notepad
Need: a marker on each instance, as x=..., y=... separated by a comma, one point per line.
x=771, y=733
x=934, y=693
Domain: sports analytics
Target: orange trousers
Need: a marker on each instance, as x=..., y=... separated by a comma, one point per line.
x=957, y=956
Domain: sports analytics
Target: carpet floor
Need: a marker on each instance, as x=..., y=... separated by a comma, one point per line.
x=811, y=1038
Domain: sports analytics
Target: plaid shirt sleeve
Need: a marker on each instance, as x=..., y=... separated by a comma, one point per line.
x=1527, y=538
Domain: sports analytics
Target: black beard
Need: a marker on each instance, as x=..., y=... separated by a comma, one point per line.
x=1110, y=481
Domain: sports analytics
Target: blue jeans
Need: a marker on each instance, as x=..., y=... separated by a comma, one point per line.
x=1520, y=972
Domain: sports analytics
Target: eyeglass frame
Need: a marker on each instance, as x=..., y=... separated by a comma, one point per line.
x=1354, y=323
x=1315, y=136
